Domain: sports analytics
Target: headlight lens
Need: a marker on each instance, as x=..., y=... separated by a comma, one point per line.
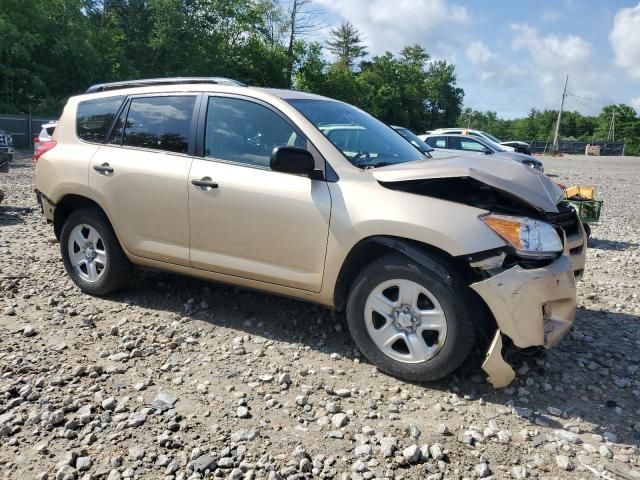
x=527, y=235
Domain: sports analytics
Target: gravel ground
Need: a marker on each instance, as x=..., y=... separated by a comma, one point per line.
x=179, y=378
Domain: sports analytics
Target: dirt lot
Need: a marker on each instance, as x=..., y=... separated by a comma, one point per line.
x=256, y=386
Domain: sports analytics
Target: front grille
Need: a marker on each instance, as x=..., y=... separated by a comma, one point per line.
x=3, y=139
x=566, y=219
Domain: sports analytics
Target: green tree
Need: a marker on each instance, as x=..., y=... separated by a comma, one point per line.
x=627, y=126
x=444, y=97
x=346, y=43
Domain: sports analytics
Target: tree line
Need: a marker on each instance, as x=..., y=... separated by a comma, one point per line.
x=540, y=125
x=51, y=50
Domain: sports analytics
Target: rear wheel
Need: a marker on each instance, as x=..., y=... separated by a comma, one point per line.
x=409, y=321
x=92, y=254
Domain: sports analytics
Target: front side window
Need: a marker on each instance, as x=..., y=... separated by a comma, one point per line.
x=365, y=141
x=470, y=145
x=94, y=118
x=160, y=123
x=245, y=132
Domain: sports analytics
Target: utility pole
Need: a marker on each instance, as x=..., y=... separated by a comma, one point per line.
x=613, y=127
x=611, y=137
x=554, y=148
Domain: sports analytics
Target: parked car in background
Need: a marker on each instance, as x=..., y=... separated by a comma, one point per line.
x=46, y=133
x=413, y=139
x=457, y=144
x=419, y=143
x=305, y=196
x=512, y=145
x=4, y=168
x=6, y=145
x=4, y=162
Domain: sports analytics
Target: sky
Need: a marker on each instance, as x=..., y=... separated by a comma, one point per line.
x=513, y=55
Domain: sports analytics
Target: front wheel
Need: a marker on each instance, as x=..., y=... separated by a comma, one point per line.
x=409, y=321
x=92, y=254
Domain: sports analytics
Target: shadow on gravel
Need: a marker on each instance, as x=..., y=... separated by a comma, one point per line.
x=13, y=215
x=574, y=370
x=19, y=166
x=614, y=245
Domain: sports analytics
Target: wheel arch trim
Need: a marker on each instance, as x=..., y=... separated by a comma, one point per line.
x=406, y=247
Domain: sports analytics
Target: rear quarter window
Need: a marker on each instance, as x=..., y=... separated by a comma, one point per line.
x=94, y=118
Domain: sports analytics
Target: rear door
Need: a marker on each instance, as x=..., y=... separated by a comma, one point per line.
x=252, y=222
x=140, y=175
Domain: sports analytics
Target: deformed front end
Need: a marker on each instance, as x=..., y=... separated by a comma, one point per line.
x=533, y=307
x=528, y=284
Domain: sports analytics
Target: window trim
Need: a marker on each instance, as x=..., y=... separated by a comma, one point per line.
x=124, y=109
x=192, y=127
x=82, y=140
x=202, y=125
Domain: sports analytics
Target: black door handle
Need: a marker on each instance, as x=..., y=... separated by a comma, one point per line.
x=205, y=183
x=104, y=168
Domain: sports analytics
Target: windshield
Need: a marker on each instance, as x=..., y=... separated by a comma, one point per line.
x=495, y=146
x=490, y=137
x=413, y=139
x=364, y=140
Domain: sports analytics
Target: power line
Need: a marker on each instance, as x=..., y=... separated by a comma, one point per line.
x=602, y=101
x=589, y=107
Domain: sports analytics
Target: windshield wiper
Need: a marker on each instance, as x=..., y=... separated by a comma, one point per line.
x=375, y=165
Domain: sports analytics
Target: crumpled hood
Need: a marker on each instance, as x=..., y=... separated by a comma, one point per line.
x=525, y=183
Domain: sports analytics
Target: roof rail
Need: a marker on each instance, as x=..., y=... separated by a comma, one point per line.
x=103, y=87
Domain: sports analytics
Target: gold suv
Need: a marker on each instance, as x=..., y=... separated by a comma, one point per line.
x=305, y=196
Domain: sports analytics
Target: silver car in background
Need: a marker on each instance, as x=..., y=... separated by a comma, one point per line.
x=6, y=146
x=458, y=144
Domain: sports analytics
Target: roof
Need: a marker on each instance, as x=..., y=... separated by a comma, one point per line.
x=293, y=94
x=150, y=82
x=147, y=82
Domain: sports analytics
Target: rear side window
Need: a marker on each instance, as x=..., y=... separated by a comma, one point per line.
x=94, y=118
x=437, y=142
x=160, y=123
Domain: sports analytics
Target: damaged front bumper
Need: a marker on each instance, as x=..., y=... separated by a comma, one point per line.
x=533, y=307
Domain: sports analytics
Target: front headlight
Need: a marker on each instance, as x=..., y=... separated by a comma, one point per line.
x=528, y=236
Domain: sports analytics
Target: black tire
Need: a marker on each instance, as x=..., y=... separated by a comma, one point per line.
x=587, y=229
x=454, y=298
x=118, y=268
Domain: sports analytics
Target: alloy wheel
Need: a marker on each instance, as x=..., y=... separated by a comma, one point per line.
x=87, y=252
x=405, y=321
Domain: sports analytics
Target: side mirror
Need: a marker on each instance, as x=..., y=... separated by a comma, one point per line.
x=295, y=160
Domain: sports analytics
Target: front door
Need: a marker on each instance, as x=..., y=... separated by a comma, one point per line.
x=245, y=219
